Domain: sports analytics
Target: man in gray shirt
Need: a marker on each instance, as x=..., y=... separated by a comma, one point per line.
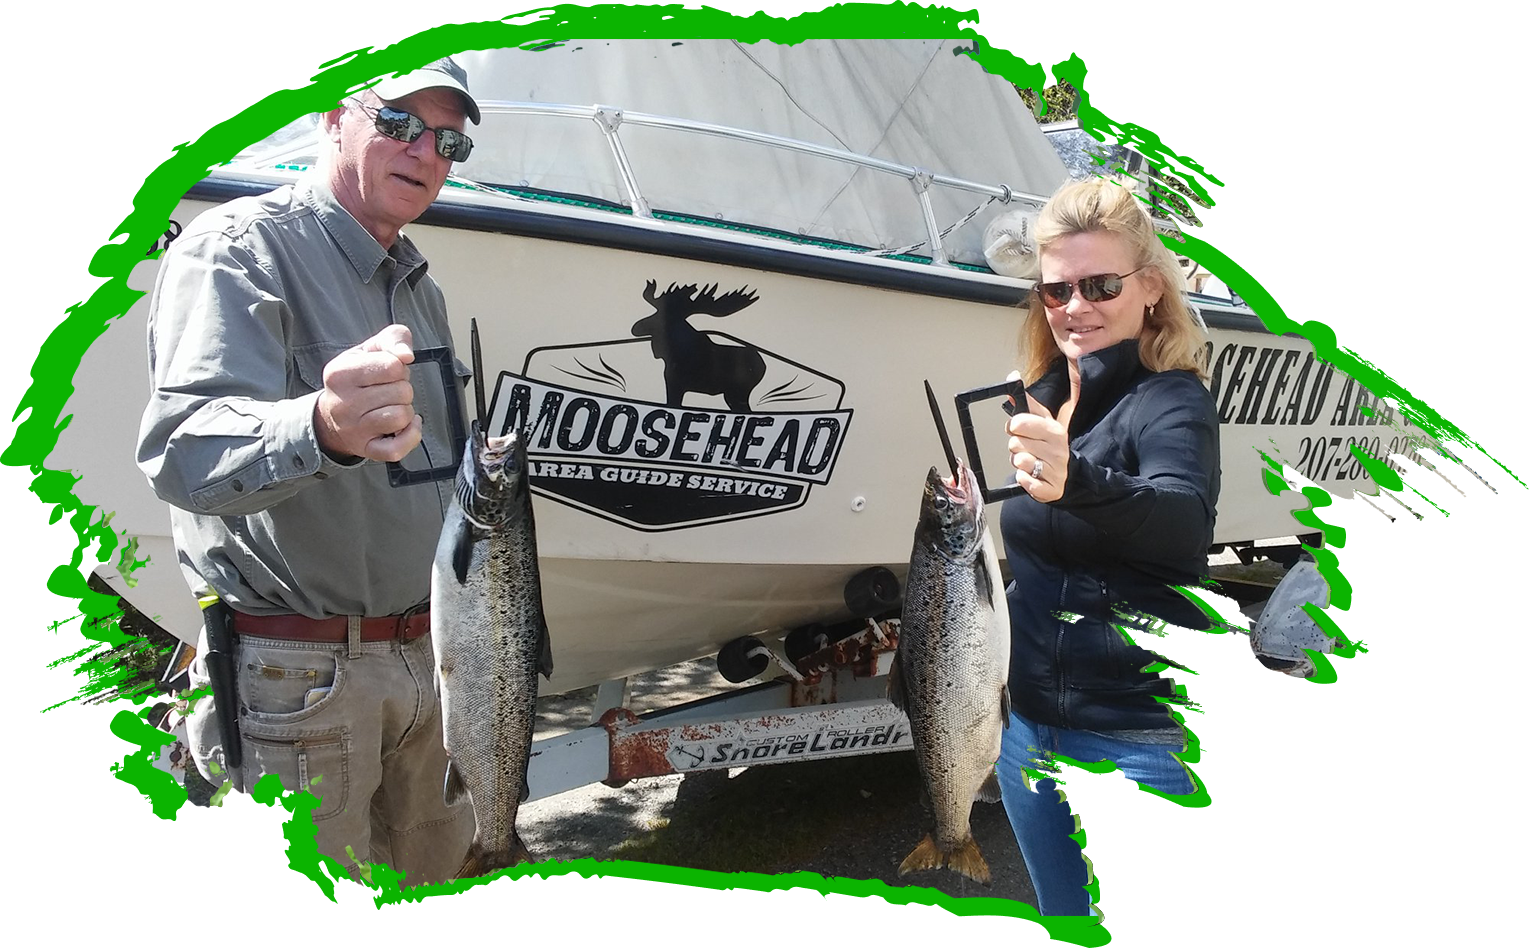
x=281, y=332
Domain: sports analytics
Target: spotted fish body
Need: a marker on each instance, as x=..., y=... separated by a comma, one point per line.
x=490, y=642
x=951, y=668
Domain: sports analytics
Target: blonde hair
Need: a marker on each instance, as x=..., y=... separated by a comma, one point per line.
x=1171, y=338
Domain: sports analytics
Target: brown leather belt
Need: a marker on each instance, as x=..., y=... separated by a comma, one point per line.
x=405, y=627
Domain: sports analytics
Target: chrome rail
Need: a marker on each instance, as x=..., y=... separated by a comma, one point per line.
x=610, y=119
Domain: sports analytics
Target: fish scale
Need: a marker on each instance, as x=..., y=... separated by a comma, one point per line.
x=491, y=641
x=950, y=670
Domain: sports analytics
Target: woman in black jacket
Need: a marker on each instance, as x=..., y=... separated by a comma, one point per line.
x=1119, y=456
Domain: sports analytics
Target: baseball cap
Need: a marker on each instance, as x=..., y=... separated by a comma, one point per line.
x=443, y=74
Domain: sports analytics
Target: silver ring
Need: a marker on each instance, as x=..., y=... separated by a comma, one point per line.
x=1037, y=468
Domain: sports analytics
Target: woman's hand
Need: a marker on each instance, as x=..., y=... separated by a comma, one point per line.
x=1039, y=450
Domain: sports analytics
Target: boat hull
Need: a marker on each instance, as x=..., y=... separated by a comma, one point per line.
x=724, y=427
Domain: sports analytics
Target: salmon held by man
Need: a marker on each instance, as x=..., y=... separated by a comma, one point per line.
x=490, y=641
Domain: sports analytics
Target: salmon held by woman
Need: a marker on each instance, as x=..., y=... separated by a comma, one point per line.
x=951, y=667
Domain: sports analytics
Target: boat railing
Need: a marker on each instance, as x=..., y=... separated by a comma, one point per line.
x=610, y=120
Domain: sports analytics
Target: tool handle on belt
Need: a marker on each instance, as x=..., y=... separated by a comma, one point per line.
x=222, y=651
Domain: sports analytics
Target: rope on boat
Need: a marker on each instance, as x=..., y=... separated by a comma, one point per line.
x=1005, y=198
x=900, y=251
x=472, y=185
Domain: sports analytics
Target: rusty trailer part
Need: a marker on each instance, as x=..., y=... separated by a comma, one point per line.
x=742, y=728
x=867, y=653
x=833, y=706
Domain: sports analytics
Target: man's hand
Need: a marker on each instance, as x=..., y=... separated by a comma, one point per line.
x=367, y=406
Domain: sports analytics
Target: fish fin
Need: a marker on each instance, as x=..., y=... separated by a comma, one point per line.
x=1003, y=704
x=481, y=861
x=967, y=859
x=461, y=550
x=470, y=868
x=544, y=660
x=518, y=851
x=455, y=790
x=926, y=855
x=985, y=583
x=895, y=692
x=989, y=792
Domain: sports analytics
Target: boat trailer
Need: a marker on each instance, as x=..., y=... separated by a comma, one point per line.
x=831, y=703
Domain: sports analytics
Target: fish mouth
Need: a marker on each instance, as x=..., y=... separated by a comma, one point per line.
x=496, y=454
x=960, y=486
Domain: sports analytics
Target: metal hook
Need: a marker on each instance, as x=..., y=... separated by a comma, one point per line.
x=478, y=393
x=939, y=424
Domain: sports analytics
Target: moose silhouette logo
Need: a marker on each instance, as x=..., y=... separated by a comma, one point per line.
x=692, y=361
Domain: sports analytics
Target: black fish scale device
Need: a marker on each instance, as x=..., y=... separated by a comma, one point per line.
x=1013, y=393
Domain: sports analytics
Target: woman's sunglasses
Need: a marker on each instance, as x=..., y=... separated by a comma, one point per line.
x=406, y=127
x=1095, y=289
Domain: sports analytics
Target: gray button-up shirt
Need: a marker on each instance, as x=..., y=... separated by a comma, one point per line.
x=251, y=302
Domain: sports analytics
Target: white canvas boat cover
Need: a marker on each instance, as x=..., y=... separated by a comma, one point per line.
x=914, y=102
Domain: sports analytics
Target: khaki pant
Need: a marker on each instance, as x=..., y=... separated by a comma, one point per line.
x=363, y=734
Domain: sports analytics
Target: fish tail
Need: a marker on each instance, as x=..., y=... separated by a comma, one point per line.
x=518, y=851
x=926, y=855
x=471, y=867
x=967, y=859
x=482, y=861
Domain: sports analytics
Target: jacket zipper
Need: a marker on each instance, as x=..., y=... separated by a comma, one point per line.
x=1061, y=630
x=1111, y=645
x=1061, y=677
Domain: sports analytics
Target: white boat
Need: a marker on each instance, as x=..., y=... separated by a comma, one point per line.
x=683, y=500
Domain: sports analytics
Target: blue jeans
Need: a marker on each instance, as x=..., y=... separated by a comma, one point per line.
x=1042, y=820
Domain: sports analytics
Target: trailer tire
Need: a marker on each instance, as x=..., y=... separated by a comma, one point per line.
x=871, y=592
x=742, y=659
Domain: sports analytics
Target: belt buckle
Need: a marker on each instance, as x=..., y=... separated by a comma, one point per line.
x=402, y=631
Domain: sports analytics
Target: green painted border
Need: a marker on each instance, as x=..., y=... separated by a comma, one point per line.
x=1289, y=113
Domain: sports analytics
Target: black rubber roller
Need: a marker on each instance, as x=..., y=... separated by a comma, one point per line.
x=742, y=659
x=871, y=592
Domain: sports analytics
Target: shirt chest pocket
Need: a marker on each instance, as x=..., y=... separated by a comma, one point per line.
x=307, y=370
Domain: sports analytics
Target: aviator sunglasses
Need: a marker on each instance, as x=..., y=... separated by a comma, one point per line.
x=1095, y=289
x=406, y=127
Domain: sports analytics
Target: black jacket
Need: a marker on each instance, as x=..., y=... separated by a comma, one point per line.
x=1136, y=514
